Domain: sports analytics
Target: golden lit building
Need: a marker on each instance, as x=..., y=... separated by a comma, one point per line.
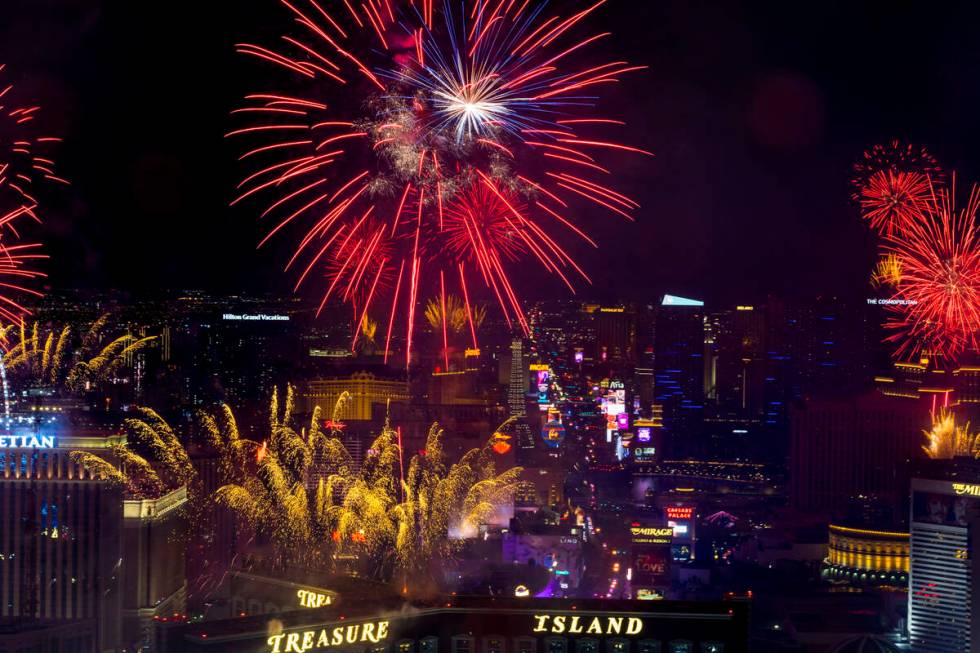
x=863, y=556
x=365, y=390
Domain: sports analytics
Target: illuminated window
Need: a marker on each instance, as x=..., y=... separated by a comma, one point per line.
x=617, y=646
x=555, y=645
x=493, y=644
x=462, y=644
x=712, y=647
x=680, y=646
x=429, y=645
x=586, y=645
x=406, y=646
x=525, y=645
x=648, y=646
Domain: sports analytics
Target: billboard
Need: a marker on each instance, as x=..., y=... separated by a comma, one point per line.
x=553, y=434
x=646, y=534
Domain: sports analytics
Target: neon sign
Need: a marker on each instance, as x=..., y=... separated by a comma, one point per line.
x=964, y=488
x=254, y=317
x=310, y=599
x=27, y=442
x=651, y=534
x=546, y=623
x=300, y=642
x=680, y=512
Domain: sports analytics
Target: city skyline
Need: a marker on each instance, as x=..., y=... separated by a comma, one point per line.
x=489, y=326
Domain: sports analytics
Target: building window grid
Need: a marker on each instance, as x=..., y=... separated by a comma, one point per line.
x=556, y=645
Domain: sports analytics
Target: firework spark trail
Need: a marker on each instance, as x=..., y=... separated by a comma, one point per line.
x=893, y=199
x=938, y=255
x=948, y=439
x=439, y=105
x=24, y=164
x=895, y=157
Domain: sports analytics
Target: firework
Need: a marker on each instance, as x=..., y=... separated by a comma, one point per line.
x=947, y=439
x=892, y=199
x=938, y=307
x=52, y=357
x=418, y=177
x=25, y=162
x=394, y=524
x=887, y=272
x=391, y=525
x=895, y=156
x=458, y=317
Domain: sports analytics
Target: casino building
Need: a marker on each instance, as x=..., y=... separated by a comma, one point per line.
x=867, y=557
x=478, y=625
x=73, y=548
x=944, y=579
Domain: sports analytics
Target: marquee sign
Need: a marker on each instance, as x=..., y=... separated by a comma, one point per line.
x=311, y=599
x=574, y=624
x=308, y=640
x=680, y=512
x=966, y=488
x=651, y=534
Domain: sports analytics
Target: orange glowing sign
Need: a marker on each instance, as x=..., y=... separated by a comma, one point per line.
x=501, y=447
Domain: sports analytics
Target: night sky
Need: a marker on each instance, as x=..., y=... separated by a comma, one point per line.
x=754, y=110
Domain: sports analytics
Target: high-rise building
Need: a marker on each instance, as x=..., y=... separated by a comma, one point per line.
x=615, y=334
x=73, y=548
x=154, y=573
x=842, y=449
x=517, y=394
x=944, y=576
x=734, y=371
x=933, y=385
x=679, y=370
x=60, y=534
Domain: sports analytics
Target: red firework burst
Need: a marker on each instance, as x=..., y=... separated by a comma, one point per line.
x=938, y=311
x=411, y=178
x=24, y=163
x=893, y=199
x=479, y=226
x=896, y=156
